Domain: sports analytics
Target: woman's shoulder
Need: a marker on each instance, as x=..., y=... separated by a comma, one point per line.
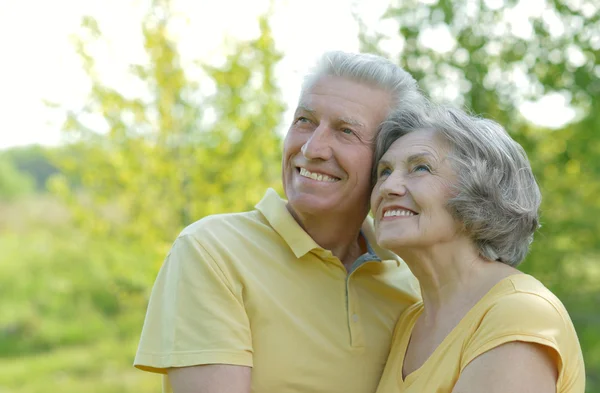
x=525, y=299
x=522, y=309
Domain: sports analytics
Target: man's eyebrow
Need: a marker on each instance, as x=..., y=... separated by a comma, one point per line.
x=303, y=108
x=351, y=122
x=341, y=119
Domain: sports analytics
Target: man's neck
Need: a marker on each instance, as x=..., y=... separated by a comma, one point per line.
x=340, y=235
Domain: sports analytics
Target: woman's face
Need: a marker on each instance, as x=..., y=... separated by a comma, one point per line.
x=414, y=183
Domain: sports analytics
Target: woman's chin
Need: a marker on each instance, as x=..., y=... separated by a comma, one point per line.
x=390, y=243
x=399, y=245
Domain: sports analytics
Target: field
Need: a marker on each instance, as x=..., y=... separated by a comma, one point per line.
x=71, y=308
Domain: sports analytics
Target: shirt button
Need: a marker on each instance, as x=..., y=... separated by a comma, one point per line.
x=354, y=318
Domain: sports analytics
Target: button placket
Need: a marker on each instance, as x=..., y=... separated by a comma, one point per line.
x=354, y=320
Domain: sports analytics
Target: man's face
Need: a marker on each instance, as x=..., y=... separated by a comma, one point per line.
x=328, y=151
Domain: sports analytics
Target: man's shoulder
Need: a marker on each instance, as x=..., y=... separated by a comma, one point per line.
x=225, y=225
x=231, y=238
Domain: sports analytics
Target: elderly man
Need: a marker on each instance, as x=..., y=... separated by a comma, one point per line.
x=293, y=296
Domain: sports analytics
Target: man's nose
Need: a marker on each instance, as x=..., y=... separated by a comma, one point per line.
x=318, y=146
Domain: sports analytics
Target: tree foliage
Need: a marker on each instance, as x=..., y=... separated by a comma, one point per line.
x=173, y=153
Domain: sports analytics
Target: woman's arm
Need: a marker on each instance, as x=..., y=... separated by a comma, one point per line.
x=516, y=367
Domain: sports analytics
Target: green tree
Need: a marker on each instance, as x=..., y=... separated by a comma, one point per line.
x=491, y=68
x=164, y=163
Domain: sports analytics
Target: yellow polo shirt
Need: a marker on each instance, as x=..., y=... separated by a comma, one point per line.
x=254, y=289
x=518, y=308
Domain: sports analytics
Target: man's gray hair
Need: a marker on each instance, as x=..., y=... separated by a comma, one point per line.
x=372, y=70
x=496, y=196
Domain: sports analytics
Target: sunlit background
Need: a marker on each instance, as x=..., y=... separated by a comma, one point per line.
x=42, y=65
x=123, y=121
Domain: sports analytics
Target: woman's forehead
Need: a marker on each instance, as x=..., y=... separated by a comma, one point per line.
x=418, y=144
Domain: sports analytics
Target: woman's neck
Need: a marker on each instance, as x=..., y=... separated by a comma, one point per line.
x=453, y=276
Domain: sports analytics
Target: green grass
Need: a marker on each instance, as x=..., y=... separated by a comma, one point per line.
x=100, y=367
x=61, y=289
x=71, y=306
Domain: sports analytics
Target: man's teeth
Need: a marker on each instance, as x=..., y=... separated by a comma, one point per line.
x=317, y=176
x=399, y=212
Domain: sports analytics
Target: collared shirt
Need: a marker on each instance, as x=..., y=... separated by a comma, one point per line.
x=255, y=289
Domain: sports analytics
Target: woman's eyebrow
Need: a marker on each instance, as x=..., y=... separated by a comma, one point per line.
x=383, y=162
x=418, y=157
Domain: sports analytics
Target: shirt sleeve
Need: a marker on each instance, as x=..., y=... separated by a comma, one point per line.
x=528, y=317
x=196, y=314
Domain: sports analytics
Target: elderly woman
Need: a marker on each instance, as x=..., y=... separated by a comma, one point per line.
x=455, y=197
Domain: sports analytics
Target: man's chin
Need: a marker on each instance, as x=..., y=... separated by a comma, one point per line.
x=310, y=204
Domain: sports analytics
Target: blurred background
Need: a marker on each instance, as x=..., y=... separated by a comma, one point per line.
x=121, y=122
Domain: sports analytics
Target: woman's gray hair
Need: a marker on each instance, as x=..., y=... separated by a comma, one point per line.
x=496, y=196
x=371, y=70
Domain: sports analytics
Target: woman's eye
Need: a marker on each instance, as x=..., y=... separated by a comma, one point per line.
x=421, y=167
x=302, y=119
x=385, y=172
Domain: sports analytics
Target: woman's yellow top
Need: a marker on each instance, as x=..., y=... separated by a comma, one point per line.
x=518, y=308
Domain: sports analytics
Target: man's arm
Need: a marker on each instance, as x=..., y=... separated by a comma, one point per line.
x=196, y=314
x=516, y=367
x=213, y=378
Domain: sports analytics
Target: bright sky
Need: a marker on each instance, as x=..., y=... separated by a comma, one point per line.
x=39, y=62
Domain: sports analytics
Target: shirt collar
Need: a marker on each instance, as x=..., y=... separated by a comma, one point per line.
x=274, y=209
x=368, y=231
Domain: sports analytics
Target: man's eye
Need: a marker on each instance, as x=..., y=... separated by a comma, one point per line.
x=347, y=131
x=302, y=119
